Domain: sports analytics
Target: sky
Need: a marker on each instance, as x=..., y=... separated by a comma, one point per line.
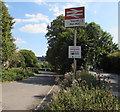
x=32, y=18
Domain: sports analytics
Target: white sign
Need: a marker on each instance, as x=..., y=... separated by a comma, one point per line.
x=74, y=17
x=74, y=52
x=73, y=23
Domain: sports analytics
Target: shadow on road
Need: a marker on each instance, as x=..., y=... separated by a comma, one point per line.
x=43, y=104
x=40, y=80
x=48, y=97
x=44, y=78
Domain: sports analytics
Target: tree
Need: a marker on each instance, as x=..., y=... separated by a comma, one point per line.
x=95, y=43
x=6, y=23
x=17, y=60
x=99, y=43
x=59, y=38
x=30, y=59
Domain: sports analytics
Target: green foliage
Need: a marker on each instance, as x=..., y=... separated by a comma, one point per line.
x=58, y=39
x=82, y=76
x=21, y=65
x=45, y=65
x=99, y=43
x=6, y=21
x=10, y=57
x=17, y=60
x=30, y=59
x=111, y=63
x=16, y=74
x=82, y=97
x=90, y=80
x=1, y=68
x=94, y=42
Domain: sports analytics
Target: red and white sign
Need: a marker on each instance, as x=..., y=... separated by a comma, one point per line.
x=74, y=17
x=74, y=52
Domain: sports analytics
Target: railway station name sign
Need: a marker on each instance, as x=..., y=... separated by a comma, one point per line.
x=74, y=17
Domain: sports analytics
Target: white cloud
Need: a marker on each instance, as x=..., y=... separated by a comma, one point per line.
x=30, y=15
x=94, y=12
x=56, y=9
x=34, y=18
x=69, y=5
x=19, y=41
x=42, y=1
x=83, y=3
x=60, y=9
x=39, y=2
x=34, y=28
x=27, y=20
x=6, y=5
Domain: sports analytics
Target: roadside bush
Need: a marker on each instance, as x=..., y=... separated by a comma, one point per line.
x=79, y=97
x=17, y=60
x=16, y=74
x=1, y=68
x=85, y=93
x=34, y=69
x=83, y=75
x=68, y=79
x=90, y=80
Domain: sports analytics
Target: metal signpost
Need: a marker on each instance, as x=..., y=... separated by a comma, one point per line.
x=74, y=17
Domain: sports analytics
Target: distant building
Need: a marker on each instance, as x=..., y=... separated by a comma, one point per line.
x=41, y=58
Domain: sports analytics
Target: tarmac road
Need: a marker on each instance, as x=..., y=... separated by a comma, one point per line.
x=26, y=94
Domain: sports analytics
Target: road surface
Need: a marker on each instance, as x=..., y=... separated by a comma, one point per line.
x=26, y=94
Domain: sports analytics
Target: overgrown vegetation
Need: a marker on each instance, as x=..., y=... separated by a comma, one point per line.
x=16, y=74
x=20, y=66
x=86, y=93
x=111, y=63
x=45, y=65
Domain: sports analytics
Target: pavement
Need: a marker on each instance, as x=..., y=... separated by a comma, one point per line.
x=26, y=94
x=114, y=80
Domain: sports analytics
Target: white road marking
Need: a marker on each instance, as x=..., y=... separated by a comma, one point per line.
x=44, y=98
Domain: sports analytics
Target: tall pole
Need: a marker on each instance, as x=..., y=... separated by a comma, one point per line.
x=75, y=61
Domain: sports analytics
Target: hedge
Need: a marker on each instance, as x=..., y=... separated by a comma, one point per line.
x=111, y=63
